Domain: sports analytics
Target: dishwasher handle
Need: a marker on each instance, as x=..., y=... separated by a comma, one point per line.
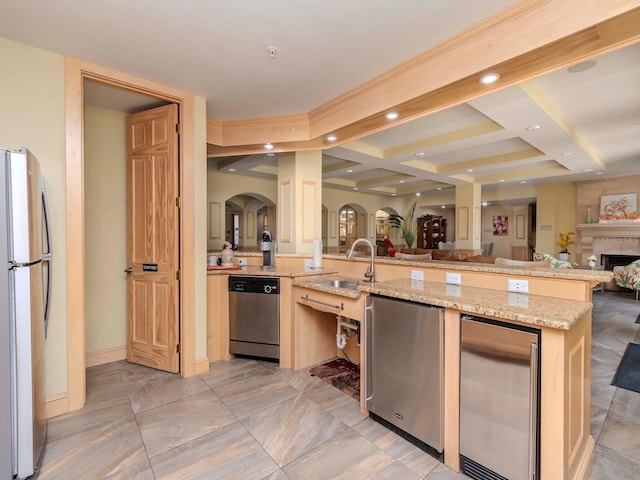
x=368, y=352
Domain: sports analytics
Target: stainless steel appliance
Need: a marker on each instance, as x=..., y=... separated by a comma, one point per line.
x=24, y=227
x=499, y=400
x=404, y=365
x=254, y=316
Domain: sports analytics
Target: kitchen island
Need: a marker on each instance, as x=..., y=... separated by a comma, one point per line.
x=559, y=305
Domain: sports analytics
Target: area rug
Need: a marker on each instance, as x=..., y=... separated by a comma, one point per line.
x=628, y=373
x=341, y=374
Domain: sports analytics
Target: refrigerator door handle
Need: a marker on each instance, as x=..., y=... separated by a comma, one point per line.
x=46, y=256
x=533, y=412
x=368, y=320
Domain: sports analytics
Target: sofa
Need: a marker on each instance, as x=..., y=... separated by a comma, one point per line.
x=457, y=254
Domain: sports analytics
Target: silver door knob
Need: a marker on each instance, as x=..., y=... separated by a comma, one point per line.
x=128, y=270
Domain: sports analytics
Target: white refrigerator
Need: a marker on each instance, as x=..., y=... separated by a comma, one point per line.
x=25, y=299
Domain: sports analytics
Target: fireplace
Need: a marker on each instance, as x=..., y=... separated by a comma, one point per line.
x=610, y=260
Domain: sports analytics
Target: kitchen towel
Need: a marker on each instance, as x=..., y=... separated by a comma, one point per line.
x=317, y=254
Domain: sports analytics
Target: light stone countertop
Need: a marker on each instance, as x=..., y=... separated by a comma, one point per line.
x=277, y=271
x=595, y=276
x=314, y=284
x=528, y=309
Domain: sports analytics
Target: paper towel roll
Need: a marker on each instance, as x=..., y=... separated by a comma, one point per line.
x=317, y=253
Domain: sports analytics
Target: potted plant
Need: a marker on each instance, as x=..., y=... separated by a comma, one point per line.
x=406, y=224
x=592, y=261
x=563, y=243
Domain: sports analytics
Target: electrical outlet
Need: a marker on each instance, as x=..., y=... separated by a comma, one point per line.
x=417, y=275
x=518, y=286
x=518, y=300
x=453, y=278
x=242, y=262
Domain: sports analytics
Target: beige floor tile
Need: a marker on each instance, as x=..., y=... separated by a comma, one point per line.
x=149, y=393
x=292, y=428
x=348, y=456
x=94, y=453
x=229, y=453
x=168, y=426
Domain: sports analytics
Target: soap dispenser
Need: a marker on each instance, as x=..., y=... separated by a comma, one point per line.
x=226, y=256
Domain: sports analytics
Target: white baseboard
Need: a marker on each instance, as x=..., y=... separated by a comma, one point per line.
x=106, y=355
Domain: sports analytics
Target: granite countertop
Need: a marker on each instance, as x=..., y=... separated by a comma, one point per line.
x=319, y=285
x=277, y=271
x=528, y=309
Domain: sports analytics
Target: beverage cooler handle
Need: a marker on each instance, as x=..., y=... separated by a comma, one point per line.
x=46, y=256
x=533, y=412
x=368, y=352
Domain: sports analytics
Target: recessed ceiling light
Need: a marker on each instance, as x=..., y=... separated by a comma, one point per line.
x=444, y=206
x=418, y=194
x=523, y=181
x=393, y=194
x=534, y=127
x=392, y=115
x=401, y=181
x=501, y=180
x=489, y=78
x=271, y=154
x=349, y=170
x=332, y=138
x=268, y=146
x=484, y=204
x=599, y=173
x=439, y=188
x=232, y=170
x=588, y=170
x=419, y=154
x=355, y=188
x=469, y=170
x=566, y=154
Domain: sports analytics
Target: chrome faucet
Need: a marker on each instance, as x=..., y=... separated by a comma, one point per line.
x=370, y=273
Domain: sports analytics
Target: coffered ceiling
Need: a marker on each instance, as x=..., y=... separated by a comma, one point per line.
x=589, y=119
x=255, y=59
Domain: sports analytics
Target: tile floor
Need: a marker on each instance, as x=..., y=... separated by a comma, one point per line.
x=247, y=419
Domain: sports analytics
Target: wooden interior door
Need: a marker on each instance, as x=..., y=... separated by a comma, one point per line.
x=153, y=284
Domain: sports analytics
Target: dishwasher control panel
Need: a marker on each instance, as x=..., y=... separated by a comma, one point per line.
x=265, y=285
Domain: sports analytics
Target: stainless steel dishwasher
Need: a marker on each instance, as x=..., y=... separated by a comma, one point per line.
x=404, y=364
x=254, y=316
x=499, y=400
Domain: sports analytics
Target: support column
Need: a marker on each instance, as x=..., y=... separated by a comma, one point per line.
x=299, y=201
x=468, y=211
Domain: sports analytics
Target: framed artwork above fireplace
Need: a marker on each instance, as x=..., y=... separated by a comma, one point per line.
x=619, y=208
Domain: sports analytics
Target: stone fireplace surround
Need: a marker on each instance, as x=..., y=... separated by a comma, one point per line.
x=608, y=239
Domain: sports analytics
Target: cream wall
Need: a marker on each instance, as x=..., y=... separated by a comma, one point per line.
x=33, y=115
x=105, y=228
x=556, y=212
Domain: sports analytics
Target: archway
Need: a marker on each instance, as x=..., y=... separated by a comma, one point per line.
x=352, y=224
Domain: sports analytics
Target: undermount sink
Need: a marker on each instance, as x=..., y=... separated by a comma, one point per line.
x=337, y=283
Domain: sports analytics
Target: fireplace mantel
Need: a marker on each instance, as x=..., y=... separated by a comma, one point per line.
x=605, y=235
x=608, y=229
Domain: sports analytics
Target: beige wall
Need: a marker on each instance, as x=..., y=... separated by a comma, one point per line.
x=589, y=193
x=32, y=95
x=32, y=115
x=105, y=227
x=556, y=212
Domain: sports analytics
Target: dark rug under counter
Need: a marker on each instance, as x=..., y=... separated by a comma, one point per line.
x=341, y=374
x=628, y=373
